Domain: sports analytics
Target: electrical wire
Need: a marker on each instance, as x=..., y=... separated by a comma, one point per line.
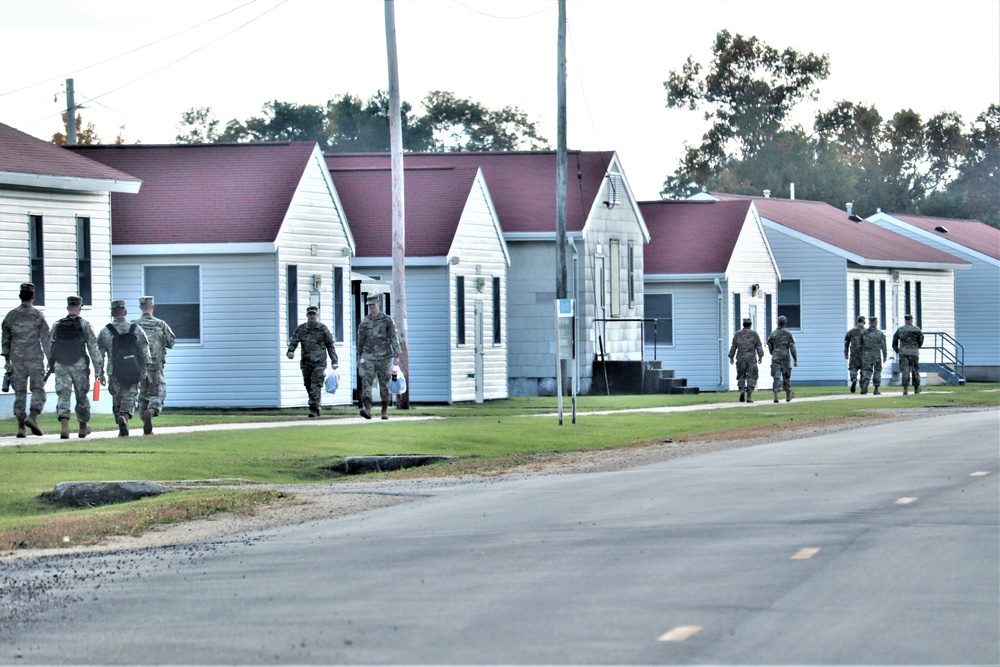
x=504, y=18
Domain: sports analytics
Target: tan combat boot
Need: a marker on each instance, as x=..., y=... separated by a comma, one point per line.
x=916, y=389
x=876, y=392
x=775, y=395
x=84, y=429
x=789, y=395
x=20, y=428
x=147, y=422
x=385, y=410
x=749, y=395
x=30, y=422
x=906, y=390
x=366, y=408
x=122, y=426
x=64, y=429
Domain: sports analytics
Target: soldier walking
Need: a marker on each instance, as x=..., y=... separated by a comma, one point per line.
x=72, y=339
x=746, y=352
x=873, y=355
x=906, y=343
x=781, y=345
x=378, y=351
x=123, y=376
x=852, y=350
x=317, y=343
x=25, y=342
x=153, y=388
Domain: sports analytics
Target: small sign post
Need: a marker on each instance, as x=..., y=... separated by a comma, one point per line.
x=565, y=348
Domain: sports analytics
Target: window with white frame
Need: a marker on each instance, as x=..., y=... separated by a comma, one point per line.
x=177, y=290
x=659, y=307
x=615, y=261
x=790, y=303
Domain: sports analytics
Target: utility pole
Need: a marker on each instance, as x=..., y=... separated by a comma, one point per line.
x=398, y=220
x=70, y=114
x=561, y=289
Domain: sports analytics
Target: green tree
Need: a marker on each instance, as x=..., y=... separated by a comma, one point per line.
x=464, y=125
x=199, y=126
x=85, y=135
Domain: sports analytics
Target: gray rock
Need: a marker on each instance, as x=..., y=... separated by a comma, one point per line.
x=88, y=494
x=359, y=465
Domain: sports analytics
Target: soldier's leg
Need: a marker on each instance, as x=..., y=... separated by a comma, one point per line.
x=775, y=378
x=64, y=391
x=36, y=380
x=156, y=388
x=19, y=383
x=117, y=392
x=787, y=376
x=741, y=381
x=317, y=376
x=367, y=378
x=915, y=365
x=383, y=368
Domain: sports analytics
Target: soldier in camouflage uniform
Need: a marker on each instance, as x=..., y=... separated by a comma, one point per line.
x=906, y=343
x=153, y=388
x=75, y=376
x=852, y=350
x=873, y=354
x=781, y=345
x=378, y=351
x=317, y=343
x=123, y=396
x=746, y=352
x=25, y=342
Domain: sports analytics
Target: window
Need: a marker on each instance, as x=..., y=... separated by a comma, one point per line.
x=292, y=298
x=616, y=278
x=460, y=310
x=36, y=253
x=338, y=303
x=881, y=304
x=919, y=315
x=178, y=298
x=790, y=302
x=84, y=278
x=737, y=305
x=614, y=190
x=659, y=307
x=768, y=311
x=907, y=305
x=871, y=300
x=857, y=299
x=497, y=319
x=631, y=274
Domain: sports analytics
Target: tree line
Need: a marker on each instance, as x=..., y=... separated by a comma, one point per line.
x=902, y=164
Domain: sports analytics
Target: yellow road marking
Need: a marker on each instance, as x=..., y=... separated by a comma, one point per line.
x=906, y=501
x=805, y=554
x=679, y=634
x=981, y=473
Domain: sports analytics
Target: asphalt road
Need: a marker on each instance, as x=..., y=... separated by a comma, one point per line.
x=878, y=546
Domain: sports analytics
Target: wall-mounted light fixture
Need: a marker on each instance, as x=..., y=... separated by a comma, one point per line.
x=481, y=284
x=755, y=289
x=454, y=259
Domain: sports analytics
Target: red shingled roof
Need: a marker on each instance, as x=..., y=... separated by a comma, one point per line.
x=434, y=200
x=22, y=153
x=204, y=193
x=833, y=226
x=691, y=236
x=972, y=234
x=522, y=184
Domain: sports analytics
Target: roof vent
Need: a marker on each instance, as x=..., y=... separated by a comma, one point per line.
x=767, y=194
x=850, y=208
x=942, y=229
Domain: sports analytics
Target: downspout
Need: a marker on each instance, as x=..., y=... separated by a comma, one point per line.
x=576, y=327
x=721, y=341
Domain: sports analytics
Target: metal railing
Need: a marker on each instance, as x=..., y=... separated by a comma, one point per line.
x=949, y=356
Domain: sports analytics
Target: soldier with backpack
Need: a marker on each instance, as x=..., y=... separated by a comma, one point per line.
x=72, y=339
x=153, y=388
x=127, y=350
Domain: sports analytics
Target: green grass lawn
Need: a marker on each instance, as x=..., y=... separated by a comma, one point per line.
x=493, y=435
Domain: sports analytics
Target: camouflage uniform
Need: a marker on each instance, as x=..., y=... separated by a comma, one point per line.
x=747, y=351
x=906, y=343
x=75, y=377
x=25, y=342
x=781, y=345
x=153, y=388
x=317, y=343
x=123, y=396
x=873, y=353
x=852, y=350
x=378, y=344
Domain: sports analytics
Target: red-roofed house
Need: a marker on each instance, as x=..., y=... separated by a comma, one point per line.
x=605, y=234
x=835, y=266
x=456, y=274
x=56, y=228
x=234, y=241
x=977, y=291
x=708, y=265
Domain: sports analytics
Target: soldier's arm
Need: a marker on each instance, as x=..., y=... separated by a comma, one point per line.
x=43, y=338
x=96, y=357
x=331, y=348
x=168, y=337
x=397, y=351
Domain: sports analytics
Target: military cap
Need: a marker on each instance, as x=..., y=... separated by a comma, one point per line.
x=861, y=318
x=908, y=317
x=27, y=287
x=873, y=318
x=747, y=321
x=146, y=301
x=117, y=304
x=74, y=300
x=312, y=309
x=782, y=319
x=372, y=298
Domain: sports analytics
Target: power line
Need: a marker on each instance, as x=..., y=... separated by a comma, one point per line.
x=505, y=18
x=126, y=53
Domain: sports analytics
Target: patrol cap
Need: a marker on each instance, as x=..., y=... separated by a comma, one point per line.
x=782, y=319
x=312, y=309
x=27, y=287
x=908, y=318
x=747, y=321
x=861, y=318
x=372, y=298
x=74, y=300
x=117, y=304
x=146, y=301
x=873, y=318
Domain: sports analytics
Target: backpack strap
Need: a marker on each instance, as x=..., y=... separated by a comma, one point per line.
x=110, y=327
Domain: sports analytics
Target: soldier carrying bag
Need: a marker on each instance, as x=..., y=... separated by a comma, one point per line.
x=126, y=364
x=68, y=345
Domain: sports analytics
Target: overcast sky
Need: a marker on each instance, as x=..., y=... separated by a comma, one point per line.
x=142, y=63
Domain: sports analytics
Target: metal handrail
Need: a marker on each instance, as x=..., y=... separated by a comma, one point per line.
x=949, y=354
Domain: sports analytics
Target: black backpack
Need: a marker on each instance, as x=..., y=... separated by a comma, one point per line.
x=68, y=345
x=126, y=362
